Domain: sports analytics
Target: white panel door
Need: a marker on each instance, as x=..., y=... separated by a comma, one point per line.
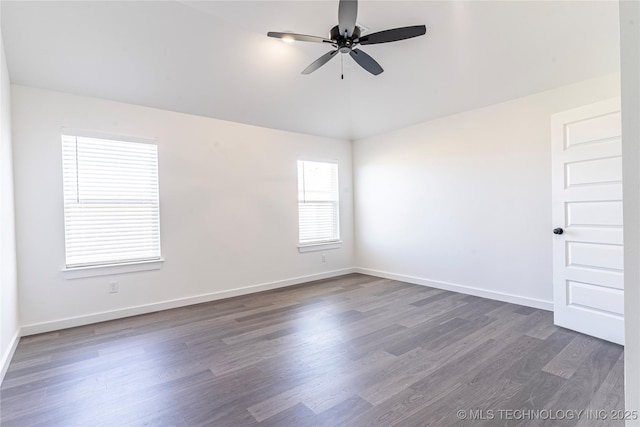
x=587, y=216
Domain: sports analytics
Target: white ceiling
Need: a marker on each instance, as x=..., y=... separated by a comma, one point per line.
x=212, y=58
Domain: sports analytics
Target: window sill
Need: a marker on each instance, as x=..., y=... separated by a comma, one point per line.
x=105, y=270
x=313, y=247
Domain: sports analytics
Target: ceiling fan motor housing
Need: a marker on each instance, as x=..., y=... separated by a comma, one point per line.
x=344, y=43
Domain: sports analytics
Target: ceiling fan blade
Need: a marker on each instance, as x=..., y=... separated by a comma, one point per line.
x=366, y=62
x=393, y=35
x=319, y=62
x=298, y=37
x=347, y=14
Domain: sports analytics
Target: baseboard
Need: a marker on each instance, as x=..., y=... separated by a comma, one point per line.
x=8, y=355
x=70, y=322
x=469, y=290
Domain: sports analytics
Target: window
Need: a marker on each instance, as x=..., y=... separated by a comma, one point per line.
x=318, y=203
x=111, y=207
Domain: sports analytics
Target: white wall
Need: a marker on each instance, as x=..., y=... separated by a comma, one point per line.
x=464, y=202
x=228, y=209
x=630, y=77
x=9, y=321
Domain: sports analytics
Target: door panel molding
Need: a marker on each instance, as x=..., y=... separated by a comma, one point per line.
x=588, y=257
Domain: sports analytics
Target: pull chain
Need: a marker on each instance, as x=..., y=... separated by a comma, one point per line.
x=341, y=66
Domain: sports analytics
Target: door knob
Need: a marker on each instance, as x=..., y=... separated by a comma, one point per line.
x=558, y=230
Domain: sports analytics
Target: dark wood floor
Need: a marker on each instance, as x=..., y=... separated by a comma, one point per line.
x=351, y=351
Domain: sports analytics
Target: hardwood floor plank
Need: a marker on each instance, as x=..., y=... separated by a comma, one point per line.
x=525, y=310
x=478, y=391
x=297, y=415
x=524, y=374
x=533, y=396
x=608, y=399
x=524, y=369
x=413, y=318
x=426, y=361
x=543, y=331
x=428, y=389
x=342, y=413
x=320, y=399
x=359, y=347
x=323, y=391
x=433, y=298
x=566, y=363
x=416, y=337
x=583, y=385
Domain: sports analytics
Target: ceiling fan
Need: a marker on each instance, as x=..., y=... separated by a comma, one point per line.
x=346, y=36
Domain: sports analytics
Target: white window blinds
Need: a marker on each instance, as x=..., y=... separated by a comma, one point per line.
x=111, y=207
x=318, y=202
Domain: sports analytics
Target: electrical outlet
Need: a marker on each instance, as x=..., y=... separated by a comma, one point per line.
x=113, y=287
x=324, y=258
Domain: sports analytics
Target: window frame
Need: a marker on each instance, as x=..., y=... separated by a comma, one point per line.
x=320, y=245
x=109, y=268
